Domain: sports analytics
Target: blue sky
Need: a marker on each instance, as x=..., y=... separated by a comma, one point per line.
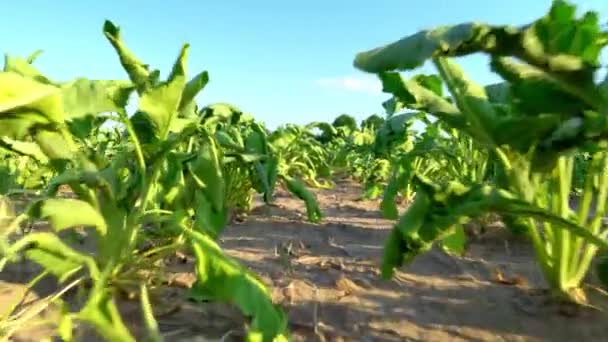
x=283, y=61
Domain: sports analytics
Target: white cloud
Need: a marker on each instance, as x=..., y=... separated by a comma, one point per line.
x=358, y=84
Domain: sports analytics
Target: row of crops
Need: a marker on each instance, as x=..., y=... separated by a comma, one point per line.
x=531, y=150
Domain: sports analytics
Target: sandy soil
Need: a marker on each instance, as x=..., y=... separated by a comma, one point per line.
x=326, y=278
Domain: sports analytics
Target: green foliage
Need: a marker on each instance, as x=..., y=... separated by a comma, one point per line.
x=164, y=170
x=528, y=127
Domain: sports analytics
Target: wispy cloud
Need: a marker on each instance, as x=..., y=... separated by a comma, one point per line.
x=358, y=84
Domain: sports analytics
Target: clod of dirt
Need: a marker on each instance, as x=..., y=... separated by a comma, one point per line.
x=322, y=262
x=182, y=279
x=516, y=280
x=298, y=290
x=348, y=286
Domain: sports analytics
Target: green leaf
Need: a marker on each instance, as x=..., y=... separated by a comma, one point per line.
x=54, y=263
x=345, y=121
x=113, y=244
x=298, y=188
x=456, y=242
x=412, y=95
x=192, y=88
x=101, y=312
x=558, y=42
x=24, y=67
x=25, y=103
x=399, y=180
x=207, y=171
x=430, y=82
x=148, y=316
x=34, y=56
x=471, y=100
x=225, y=140
x=437, y=211
x=47, y=250
x=220, y=113
x=64, y=213
x=54, y=145
x=221, y=278
x=208, y=219
x=83, y=97
x=403, y=243
x=531, y=87
x=499, y=93
x=160, y=104
x=23, y=148
x=411, y=52
x=138, y=72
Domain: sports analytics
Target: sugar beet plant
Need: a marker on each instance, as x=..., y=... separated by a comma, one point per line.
x=164, y=175
x=549, y=107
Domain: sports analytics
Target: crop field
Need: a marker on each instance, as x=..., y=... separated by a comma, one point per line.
x=185, y=221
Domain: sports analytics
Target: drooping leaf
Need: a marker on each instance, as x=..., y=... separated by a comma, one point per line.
x=558, y=41
x=221, y=278
x=50, y=252
x=437, y=212
x=298, y=188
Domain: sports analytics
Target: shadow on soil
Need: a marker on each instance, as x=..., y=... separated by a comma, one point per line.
x=326, y=277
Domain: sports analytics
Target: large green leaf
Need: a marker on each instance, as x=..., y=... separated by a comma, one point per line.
x=64, y=213
x=222, y=278
x=25, y=103
x=160, y=103
x=207, y=171
x=83, y=97
x=531, y=87
x=412, y=51
x=557, y=42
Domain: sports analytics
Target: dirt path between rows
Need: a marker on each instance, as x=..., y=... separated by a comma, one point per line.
x=326, y=278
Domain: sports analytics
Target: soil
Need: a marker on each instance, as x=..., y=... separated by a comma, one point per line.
x=326, y=278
